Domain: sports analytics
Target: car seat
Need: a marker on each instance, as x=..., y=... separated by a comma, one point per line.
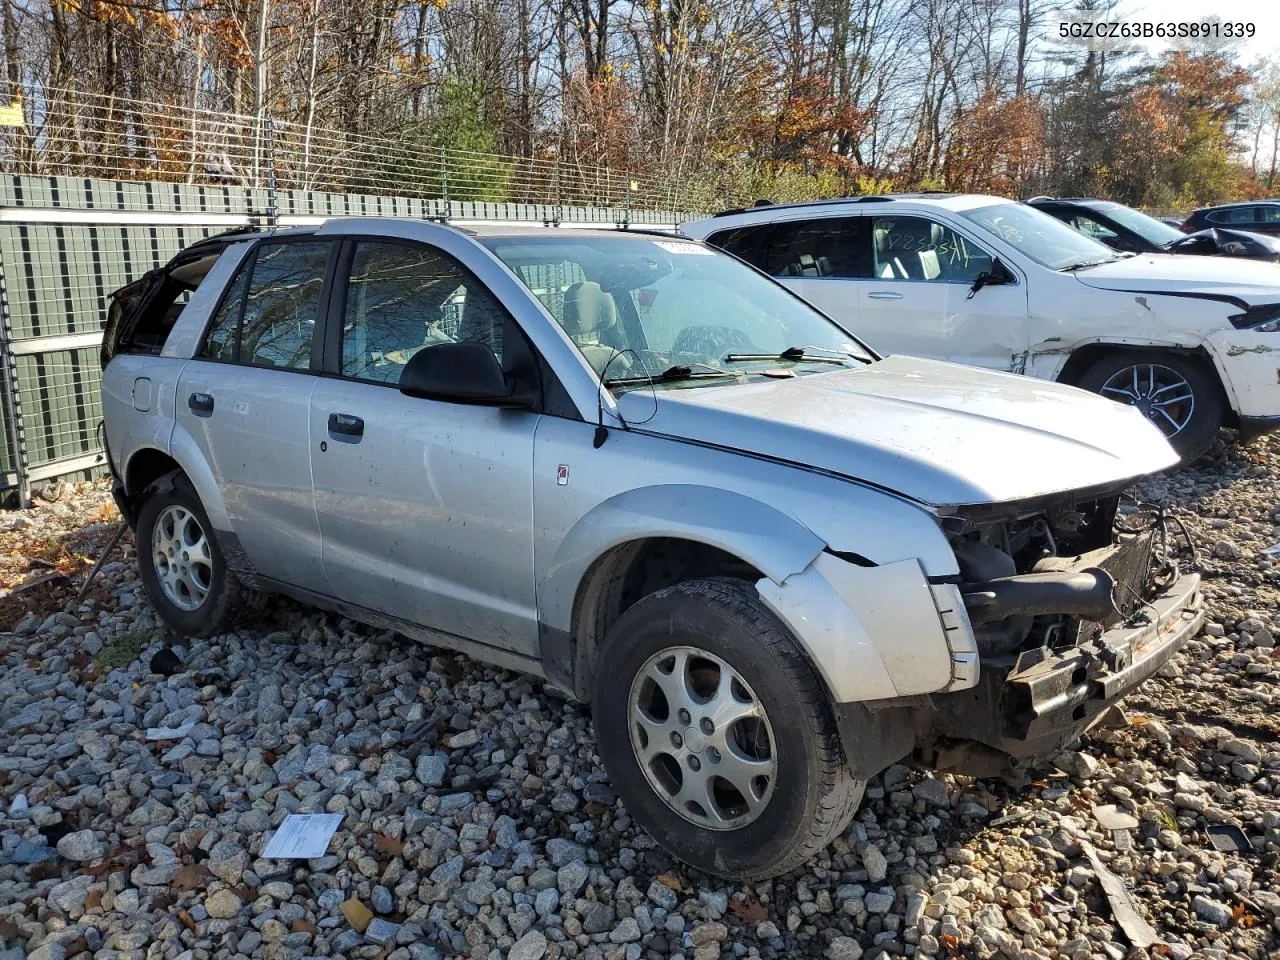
x=590, y=314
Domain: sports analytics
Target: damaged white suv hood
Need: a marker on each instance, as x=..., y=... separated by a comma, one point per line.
x=1221, y=278
x=937, y=432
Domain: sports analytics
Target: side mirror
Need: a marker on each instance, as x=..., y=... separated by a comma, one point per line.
x=461, y=373
x=997, y=276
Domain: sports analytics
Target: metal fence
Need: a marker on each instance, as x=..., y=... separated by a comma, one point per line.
x=66, y=243
x=77, y=133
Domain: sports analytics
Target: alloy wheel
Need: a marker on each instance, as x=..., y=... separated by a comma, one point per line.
x=180, y=553
x=702, y=738
x=1162, y=394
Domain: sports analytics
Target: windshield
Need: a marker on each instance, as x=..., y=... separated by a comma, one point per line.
x=639, y=307
x=1046, y=240
x=1148, y=228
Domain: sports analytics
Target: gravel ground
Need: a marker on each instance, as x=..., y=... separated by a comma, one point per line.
x=478, y=821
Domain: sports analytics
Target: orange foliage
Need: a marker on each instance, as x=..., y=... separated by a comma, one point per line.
x=996, y=145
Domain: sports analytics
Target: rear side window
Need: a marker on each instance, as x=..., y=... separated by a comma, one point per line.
x=746, y=243
x=1270, y=215
x=827, y=247
x=1234, y=215
x=269, y=315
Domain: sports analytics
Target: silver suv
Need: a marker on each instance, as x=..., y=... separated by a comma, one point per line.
x=772, y=562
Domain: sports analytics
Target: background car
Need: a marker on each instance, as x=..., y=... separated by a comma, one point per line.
x=1132, y=231
x=1259, y=216
x=1193, y=342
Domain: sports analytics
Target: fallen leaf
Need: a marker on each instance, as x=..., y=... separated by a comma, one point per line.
x=92, y=900
x=193, y=876
x=357, y=914
x=673, y=881
x=303, y=925
x=385, y=843
x=186, y=920
x=749, y=910
x=1242, y=916
x=951, y=944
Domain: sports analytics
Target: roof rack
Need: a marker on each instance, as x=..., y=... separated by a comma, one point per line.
x=876, y=198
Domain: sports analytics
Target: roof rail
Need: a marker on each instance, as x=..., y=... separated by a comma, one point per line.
x=876, y=198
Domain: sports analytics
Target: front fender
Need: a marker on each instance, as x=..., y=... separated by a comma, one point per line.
x=775, y=544
x=872, y=632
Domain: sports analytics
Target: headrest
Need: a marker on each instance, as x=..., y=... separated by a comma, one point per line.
x=587, y=308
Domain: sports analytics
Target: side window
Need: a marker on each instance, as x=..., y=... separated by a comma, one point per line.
x=283, y=305
x=916, y=248
x=401, y=298
x=746, y=243
x=220, y=341
x=269, y=314
x=827, y=247
x=1270, y=214
x=1236, y=215
x=1092, y=228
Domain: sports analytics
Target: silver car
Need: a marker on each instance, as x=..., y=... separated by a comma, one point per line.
x=772, y=561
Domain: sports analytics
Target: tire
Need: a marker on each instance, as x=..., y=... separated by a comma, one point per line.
x=1190, y=427
x=213, y=596
x=695, y=638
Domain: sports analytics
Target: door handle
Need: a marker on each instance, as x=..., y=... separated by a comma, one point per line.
x=201, y=404
x=884, y=295
x=345, y=428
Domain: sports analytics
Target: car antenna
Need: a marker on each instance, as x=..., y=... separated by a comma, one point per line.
x=602, y=432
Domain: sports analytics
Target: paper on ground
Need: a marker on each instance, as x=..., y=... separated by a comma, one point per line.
x=170, y=733
x=303, y=836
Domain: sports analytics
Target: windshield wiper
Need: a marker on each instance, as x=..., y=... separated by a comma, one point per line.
x=794, y=354
x=672, y=374
x=1087, y=263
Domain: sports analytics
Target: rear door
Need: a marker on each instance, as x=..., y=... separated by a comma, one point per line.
x=245, y=401
x=425, y=506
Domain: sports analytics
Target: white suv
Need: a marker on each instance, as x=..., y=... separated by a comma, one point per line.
x=1193, y=342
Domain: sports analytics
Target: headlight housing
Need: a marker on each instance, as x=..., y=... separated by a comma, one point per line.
x=1264, y=318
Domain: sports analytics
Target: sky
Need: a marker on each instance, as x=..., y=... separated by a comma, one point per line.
x=1264, y=14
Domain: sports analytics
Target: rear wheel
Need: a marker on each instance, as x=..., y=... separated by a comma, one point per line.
x=718, y=735
x=182, y=568
x=1175, y=393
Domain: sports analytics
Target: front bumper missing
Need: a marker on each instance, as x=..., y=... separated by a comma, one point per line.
x=1044, y=699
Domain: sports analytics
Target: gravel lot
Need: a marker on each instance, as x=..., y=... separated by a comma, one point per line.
x=478, y=821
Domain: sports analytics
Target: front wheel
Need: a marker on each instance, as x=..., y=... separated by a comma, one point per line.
x=718, y=735
x=1175, y=393
x=182, y=568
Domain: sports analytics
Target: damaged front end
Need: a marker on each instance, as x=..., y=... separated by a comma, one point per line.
x=1073, y=603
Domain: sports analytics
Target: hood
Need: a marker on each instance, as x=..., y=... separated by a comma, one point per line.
x=1235, y=280
x=940, y=433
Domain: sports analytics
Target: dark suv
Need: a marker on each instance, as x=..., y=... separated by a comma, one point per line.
x=1260, y=216
x=1132, y=231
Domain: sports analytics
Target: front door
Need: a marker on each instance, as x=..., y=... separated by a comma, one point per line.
x=245, y=402
x=425, y=507
x=919, y=299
